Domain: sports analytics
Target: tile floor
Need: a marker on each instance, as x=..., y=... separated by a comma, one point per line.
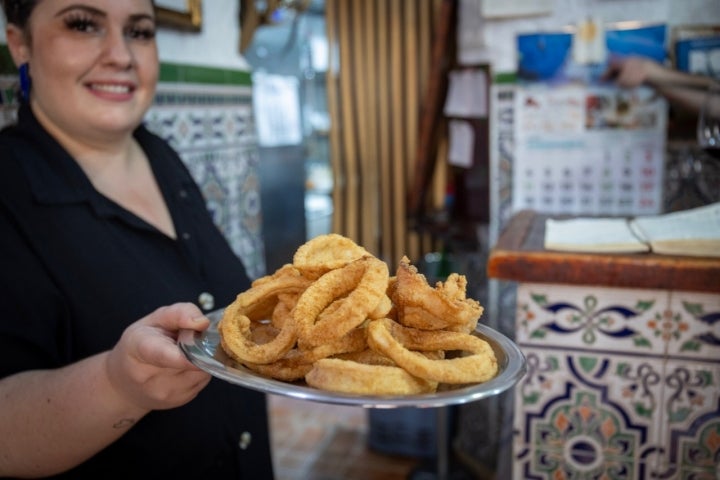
x=328, y=442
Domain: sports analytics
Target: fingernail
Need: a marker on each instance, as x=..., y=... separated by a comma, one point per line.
x=199, y=319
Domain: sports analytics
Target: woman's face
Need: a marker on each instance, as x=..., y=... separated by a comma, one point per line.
x=93, y=64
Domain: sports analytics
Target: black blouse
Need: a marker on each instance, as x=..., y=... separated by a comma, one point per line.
x=77, y=269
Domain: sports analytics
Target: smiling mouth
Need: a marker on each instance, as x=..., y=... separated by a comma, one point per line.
x=111, y=88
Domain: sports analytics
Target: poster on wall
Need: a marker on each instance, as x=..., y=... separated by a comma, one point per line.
x=589, y=150
x=276, y=105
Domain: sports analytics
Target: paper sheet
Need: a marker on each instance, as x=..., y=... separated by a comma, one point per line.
x=276, y=105
x=462, y=144
x=467, y=94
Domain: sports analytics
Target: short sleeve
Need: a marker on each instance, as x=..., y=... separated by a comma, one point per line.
x=30, y=307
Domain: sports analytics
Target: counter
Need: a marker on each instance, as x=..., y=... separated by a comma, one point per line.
x=623, y=356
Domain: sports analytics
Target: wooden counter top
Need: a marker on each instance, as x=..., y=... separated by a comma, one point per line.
x=519, y=256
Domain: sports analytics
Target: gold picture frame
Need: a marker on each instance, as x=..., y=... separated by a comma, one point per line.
x=189, y=19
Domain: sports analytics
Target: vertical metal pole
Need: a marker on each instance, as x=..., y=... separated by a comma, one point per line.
x=442, y=443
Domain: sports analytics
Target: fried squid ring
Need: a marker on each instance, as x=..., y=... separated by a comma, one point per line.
x=360, y=287
x=283, y=309
x=372, y=357
x=297, y=363
x=346, y=376
x=259, y=301
x=444, y=307
x=396, y=341
x=326, y=252
x=236, y=338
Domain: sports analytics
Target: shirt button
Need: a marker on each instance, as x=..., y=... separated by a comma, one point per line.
x=245, y=439
x=183, y=194
x=186, y=236
x=206, y=301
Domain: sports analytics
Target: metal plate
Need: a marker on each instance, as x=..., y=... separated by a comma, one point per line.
x=204, y=350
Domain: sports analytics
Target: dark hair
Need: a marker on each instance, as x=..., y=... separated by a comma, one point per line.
x=17, y=12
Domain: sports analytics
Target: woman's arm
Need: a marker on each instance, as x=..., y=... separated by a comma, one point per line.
x=684, y=90
x=53, y=420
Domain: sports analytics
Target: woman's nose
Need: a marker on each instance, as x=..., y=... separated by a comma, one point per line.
x=117, y=49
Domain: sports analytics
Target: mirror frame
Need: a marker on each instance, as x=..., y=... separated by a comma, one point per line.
x=189, y=19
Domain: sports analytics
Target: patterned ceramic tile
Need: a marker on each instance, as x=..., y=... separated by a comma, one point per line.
x=586, y=416
x=597, y=318
x=8, y=100
x=692, y=325
x=212, y=128
x=690, y=419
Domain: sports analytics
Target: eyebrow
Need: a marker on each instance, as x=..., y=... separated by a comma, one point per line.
x=96, y=11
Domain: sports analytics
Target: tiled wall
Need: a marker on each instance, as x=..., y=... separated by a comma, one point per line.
x=206, y=115
x=621, y=384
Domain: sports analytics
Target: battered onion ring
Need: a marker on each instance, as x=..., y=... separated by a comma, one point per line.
x=421, y=306
x=326, y=252
x=236, y=338
x=362, y=283
x=395, y=341
x=346, y=376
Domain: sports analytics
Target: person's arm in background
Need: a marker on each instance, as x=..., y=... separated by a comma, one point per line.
x=52, y=420
x=687, y=91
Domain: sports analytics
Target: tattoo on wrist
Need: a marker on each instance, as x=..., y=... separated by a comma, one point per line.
x=124, y=423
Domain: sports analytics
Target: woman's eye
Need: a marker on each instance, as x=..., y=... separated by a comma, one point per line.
x=81, y=24
x=141, y=33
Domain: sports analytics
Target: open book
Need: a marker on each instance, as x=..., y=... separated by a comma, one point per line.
x=694, y=232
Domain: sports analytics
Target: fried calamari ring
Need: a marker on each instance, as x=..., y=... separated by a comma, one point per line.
x=368, y=356
x=297, y=362
x=444, y=307
x=236, y=338
x=360, y=285
x=372, y=357
x=326, y=252
x=283, y=309
x=397, y=342
x=383, y=308
x=258, y=302
x=346, y=376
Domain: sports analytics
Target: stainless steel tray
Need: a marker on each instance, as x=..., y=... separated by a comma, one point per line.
x=204, y=351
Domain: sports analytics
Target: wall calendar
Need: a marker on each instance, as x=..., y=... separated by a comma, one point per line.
x=588, y=150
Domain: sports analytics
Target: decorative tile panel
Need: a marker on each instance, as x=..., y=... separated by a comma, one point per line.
x=621, y=384
x=691, y=421
x=585, y=416
x=693, y=323
x=591, y=318
x=213, y=130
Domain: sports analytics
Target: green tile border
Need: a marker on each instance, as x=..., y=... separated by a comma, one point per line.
x=505, y=78
x=178, y=73
x=169, y=72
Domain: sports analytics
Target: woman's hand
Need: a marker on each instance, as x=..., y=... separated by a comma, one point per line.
x=55, y=419
x=147, y=368
x=633, y=71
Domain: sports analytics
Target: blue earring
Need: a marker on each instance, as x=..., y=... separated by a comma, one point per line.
x=25, y=81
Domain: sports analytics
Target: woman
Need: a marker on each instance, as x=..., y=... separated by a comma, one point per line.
x=101, y=225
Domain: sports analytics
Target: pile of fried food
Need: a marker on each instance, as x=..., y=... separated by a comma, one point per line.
x=338, y=320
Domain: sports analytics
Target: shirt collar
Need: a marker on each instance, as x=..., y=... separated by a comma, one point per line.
x=56, y=178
